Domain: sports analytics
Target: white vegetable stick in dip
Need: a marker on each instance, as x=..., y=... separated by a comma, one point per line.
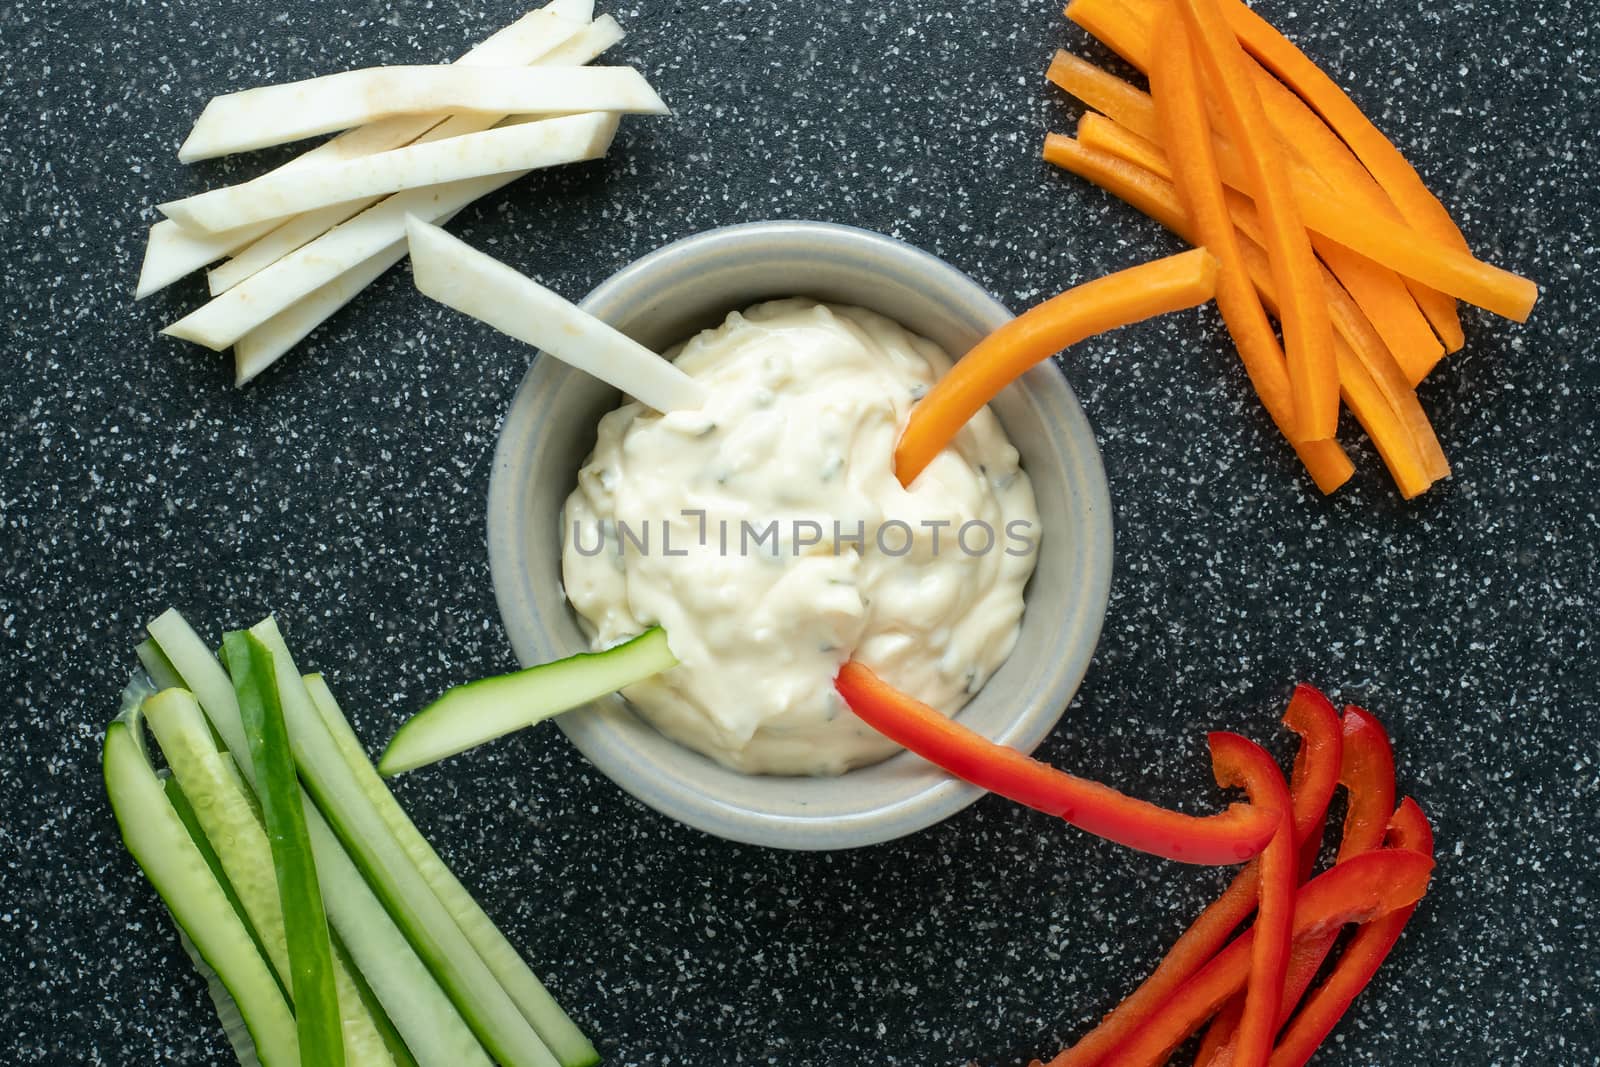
x=173, y=252
x=241, y=309
x=274, y=114
x=581, y=48
x=458, y=275
x=517, y=146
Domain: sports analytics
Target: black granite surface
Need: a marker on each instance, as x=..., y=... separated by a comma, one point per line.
x=345, y=492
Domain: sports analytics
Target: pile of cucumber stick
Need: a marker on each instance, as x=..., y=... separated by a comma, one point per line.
x=328, y=930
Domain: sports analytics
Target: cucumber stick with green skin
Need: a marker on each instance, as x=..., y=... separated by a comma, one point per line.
x=483, y=1003
x=226, y=815
x=311, y=983
x=393, y=1043
x=433, y=1029
x=471, y=714
x=197, y=834
x=160, y=844
x=158, y=666
x=560, y=1034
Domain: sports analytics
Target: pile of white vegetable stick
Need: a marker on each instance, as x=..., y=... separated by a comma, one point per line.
x=302, y=240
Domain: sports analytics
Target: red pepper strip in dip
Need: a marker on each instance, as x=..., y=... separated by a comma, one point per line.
x=1358, y=890
x=1233, y=836
x=1243, y=763
x=1361, y=958
x=1316, y=774
x=1367, y=774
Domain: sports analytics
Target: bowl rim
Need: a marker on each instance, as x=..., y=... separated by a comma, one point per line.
x=944, y=795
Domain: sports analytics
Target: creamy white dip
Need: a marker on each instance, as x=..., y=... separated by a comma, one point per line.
x=700, y=521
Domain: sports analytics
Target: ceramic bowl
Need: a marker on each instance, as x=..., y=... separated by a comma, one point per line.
x=688, y=286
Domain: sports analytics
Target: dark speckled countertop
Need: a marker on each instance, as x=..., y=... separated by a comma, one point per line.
x=345, y=491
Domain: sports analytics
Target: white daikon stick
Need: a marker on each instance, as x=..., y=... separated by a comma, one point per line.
x=266, y=344
x=173, y=252
x=241, y=309
x=170, y=252
x=582, y=48
x=273, y=114
x=516, y=146
x=459, y=276
x=273, y=246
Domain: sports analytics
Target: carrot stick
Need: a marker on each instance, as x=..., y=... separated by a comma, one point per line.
x=1175, y=85
x=1124, y=26
x=1307, y=333
x=1385, y=299
x=1141, y=292
x=1106, y=93
x=1381, y=293
x=1385, y=163
x=1445, y=268
x=1379, y=398
x=1440, y=310
x=1325, y=461
x=1377, y=291
x=1349, y=321
x=1115, y=27
x=1339, y=221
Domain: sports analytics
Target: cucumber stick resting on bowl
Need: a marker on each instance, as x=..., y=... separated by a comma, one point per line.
x=269, y=813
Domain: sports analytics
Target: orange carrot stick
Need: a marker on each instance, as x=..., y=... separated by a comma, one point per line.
x=1382, y=294
x=1186, y=131
x=1102, y=134
x=1378, y=395
x=1340, y=216
x=1141, y=292
x=1388, y=305
x=1349, y=322
x=1391, y=169
x=1417, y=256
x=1127, y=31
x=1325, y=461
x=1106, y=93
x=1307, y=333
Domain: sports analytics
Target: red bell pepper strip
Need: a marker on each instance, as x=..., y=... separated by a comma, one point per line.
x=1219, y=1035
x=1357, y=890
x=1367, y=774
x=1317, y=766
x=1316, y=773
x=1243, y=763
x=1361, y=958
x=1233, y=836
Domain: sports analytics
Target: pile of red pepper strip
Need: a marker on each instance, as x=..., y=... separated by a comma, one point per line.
x=1248, y=988
x=1367, y=774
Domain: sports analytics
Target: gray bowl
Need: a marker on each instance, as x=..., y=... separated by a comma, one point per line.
x=693, y=284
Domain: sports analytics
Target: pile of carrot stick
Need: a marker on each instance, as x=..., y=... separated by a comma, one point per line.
x=1244, y=146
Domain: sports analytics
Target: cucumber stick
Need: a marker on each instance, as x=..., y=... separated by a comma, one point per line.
x=197, y=834
x=393, y=1043
x=226, y=815
x=158, y=666
x=433, y=1030
x=311, y=983
x=483, y=1003
x=233, y=1027
x=471, y=714
x=160, y=844
x=560, y=1034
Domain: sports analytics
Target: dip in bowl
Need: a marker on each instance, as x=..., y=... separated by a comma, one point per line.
x=661, y=301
